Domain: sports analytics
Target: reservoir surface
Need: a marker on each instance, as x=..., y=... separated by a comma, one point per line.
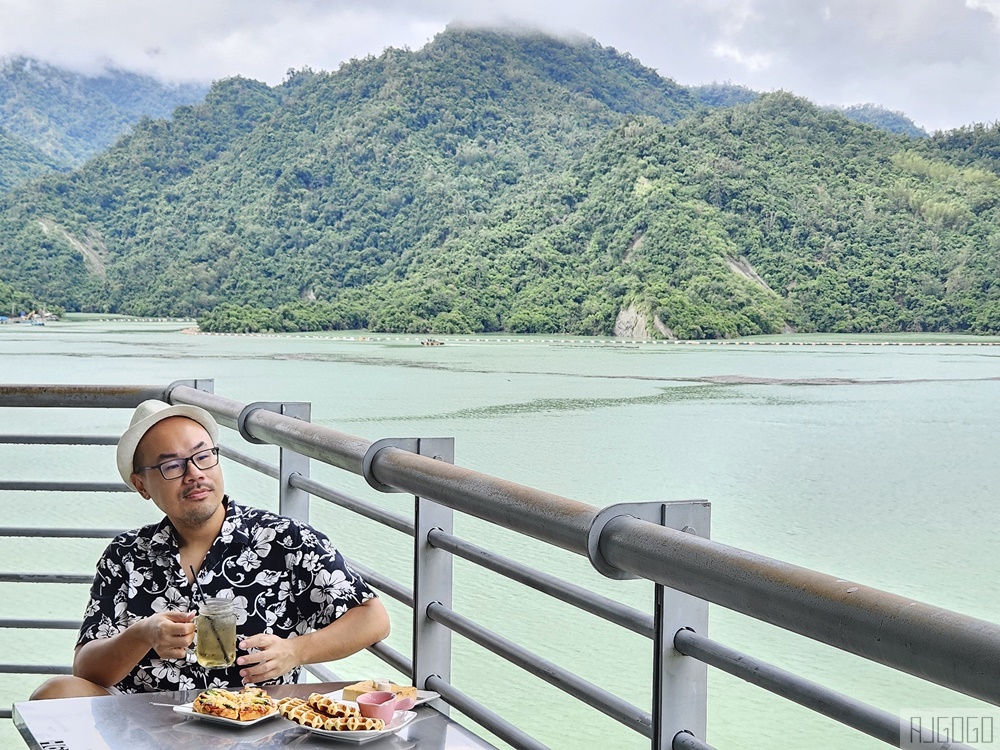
x=870, y=460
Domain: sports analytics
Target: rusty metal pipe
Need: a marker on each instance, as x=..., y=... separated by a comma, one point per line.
x=541, y=515
x=78, y=396
x=337, y=448
x=944, y=647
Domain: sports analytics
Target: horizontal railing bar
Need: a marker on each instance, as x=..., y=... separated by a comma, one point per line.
x=64, y=486
x=35, y=669
x=45, y=578
x=686, y=741
x=322, y=672
x=849, y=711
x=397, y=591
x=622, y=711
x=483, y=716
x=608, y=609
x=251, y=462
x=79, y=396
x=336, y=448
x=947, y=648
x=395, y=521
x=534, y=513
x=392, y=657
x=386, y=653
x=540, y=515
x=58, y=439
x=52, y=532
x=31, y=624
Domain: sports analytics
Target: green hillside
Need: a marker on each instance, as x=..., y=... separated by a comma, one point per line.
x=497, y=181
x=20, y=161
x=735, y=222
x=324, y=183
x=977, y=145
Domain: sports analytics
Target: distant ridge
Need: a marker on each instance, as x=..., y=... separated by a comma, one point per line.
x=69, y=117
x=731, y=95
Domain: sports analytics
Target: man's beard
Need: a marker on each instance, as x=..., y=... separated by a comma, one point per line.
x=199, y=513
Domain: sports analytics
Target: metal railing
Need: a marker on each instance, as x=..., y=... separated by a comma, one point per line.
x=666, y=543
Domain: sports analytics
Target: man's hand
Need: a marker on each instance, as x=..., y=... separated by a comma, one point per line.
x=357, y=628
x=271, y=657
x=106, y=661
x=170, y=633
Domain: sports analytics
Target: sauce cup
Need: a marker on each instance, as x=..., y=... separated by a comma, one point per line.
x=382, y=704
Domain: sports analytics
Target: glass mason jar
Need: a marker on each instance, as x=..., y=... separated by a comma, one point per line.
x=215, y=633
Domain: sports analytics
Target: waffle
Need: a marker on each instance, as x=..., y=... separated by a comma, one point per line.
x=330, y=707
x=299, y=711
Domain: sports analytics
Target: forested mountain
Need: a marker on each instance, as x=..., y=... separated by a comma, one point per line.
x=499, y=181
x=69, y=117
x=20, y=161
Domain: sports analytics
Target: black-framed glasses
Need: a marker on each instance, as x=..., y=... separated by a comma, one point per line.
x=175, y=468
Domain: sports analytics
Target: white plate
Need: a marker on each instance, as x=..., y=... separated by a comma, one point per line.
x=188, y=710
x=399, y=720
x=422, y=696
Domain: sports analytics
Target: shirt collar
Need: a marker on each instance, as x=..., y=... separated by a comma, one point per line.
x=233, y=531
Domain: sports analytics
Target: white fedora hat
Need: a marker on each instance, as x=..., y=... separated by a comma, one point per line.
x=147, y=414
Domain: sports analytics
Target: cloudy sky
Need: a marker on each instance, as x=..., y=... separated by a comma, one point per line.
x=938, y=61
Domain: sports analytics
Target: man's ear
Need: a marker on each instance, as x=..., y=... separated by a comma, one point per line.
x=139, y=485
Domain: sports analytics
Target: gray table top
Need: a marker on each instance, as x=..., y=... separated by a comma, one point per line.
x=132, y=722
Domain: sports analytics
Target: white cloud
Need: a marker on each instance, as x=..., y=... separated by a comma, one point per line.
x=993, y=6
x=754, y=62
x=933, y=59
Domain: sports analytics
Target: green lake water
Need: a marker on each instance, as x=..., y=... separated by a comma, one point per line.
x=870, y=462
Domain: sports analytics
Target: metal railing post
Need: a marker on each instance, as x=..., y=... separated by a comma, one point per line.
x=432, y=579
x=680, y=683
x=292, y=501
x=199, y=384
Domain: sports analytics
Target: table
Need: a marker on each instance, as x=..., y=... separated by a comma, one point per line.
x=131, y=722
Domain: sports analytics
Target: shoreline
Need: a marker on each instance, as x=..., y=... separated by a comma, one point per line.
x=589, y=341
x=859, y=339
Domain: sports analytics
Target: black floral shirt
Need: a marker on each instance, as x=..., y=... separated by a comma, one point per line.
x=285, y=578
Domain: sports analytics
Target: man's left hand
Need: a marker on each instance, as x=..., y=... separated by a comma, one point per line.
x=270, y=658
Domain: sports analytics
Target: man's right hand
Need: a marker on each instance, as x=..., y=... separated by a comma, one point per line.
x=107, y=661
x=170, y=633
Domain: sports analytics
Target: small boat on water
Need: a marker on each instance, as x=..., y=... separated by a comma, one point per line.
x=432, y=342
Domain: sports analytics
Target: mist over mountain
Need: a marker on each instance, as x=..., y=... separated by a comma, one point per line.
x=500, y=181
x=69, y=117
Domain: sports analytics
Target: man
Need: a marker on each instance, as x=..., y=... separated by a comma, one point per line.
x=297, y=601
